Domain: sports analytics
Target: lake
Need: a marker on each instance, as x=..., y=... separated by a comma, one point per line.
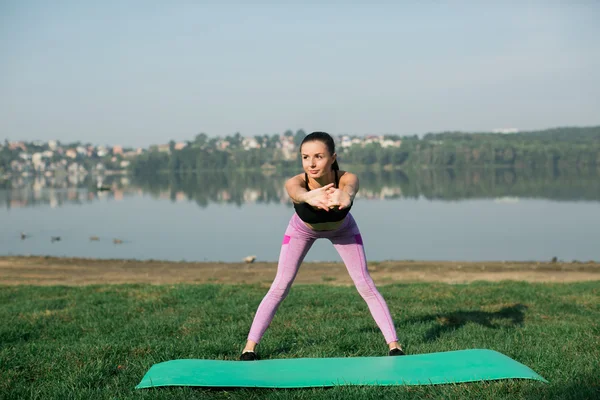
x=433, y=215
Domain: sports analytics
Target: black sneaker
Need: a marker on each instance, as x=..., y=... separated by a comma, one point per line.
x=248, y=356
x=396, y=352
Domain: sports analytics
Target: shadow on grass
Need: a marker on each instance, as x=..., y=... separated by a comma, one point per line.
x=451, y=321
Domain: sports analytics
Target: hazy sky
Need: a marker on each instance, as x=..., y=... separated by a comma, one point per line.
x=143, y=72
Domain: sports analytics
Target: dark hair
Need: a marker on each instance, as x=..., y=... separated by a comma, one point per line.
x=325, y=138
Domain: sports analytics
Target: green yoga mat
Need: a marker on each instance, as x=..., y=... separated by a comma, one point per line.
x=420, y=369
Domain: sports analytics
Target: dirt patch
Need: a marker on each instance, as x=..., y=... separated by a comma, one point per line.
x=81, y=271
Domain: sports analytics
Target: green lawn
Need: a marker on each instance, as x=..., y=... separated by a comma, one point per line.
x=97, y=342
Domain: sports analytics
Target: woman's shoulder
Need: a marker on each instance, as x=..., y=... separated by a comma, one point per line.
x=296, y=178
x=346, y=175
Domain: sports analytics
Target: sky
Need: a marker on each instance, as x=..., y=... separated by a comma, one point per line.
x=138, y=73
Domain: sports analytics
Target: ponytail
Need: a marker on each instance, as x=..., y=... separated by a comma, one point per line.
x=335, y=166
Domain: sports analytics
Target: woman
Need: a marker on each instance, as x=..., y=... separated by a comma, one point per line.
x=322, y=197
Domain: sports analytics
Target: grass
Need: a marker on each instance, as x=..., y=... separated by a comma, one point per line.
x=98, y=341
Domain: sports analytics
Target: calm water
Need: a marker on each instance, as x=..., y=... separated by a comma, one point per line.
x=202, y=221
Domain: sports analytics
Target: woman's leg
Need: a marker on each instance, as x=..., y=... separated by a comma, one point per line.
x=350, y=247
x=293, y=250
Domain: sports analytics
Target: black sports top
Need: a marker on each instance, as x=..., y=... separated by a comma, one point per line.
x=311, y=215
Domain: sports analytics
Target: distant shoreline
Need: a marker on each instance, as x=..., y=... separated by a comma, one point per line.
x=40, y=270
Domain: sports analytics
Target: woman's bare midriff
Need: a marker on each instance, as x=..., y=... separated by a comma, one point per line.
x=325, y=226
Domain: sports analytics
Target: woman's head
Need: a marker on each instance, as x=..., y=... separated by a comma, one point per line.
x=318, y=154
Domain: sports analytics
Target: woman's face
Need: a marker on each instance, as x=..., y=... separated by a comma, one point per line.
x=316, y=160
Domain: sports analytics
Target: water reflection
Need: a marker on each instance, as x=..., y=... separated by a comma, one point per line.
x=234, y=187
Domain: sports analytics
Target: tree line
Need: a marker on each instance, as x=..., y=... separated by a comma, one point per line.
x=568, y=148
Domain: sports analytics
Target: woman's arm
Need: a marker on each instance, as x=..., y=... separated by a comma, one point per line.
x=344, y=196
x=296, y=189
x=349, y=185
x=298, y=193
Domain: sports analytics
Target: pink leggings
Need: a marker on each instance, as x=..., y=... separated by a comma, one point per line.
x=297, y=241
